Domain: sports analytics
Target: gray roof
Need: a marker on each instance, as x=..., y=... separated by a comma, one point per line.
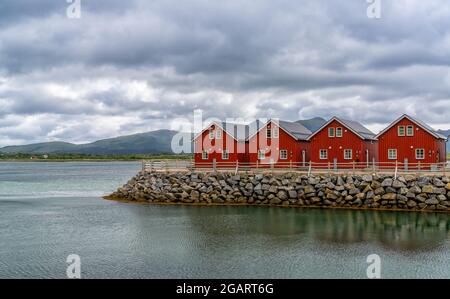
x=243, y=132
x=357, y=128
x=353, y=126
x=426, y=127
x=419, y=123
x=295, y=129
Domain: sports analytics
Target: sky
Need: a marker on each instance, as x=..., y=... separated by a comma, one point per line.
x=133, y=66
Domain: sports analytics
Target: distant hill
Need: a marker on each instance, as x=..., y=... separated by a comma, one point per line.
x=155, y=142
x=312, y=124
x=446, y=133
x=45, y=147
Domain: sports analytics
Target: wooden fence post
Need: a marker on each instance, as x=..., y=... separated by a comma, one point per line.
x=354, y=167
x=309, y=168
x=396, y=169
x=373, y=162
x=237, y=167
x=290, y=165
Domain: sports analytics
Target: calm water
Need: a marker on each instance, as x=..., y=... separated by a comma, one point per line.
x=51, y=210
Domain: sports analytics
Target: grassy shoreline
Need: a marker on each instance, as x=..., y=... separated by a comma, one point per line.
x=87, y=158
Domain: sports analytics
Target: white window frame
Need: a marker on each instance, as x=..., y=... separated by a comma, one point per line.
x=276, y=132
x=407, y=130
x=281, y=154
x=392, y=150
x=218, y=134
x=339, y=129
x=261, y=154
x=398, y=131
x=423, y=151
x=205, y=155
x=225, y=155
x=211, y=134
x=348, y=151
x=321, y=156
x=268, y=133
x=331, y=132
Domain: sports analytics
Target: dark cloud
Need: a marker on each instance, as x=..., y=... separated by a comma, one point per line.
x=131, y=66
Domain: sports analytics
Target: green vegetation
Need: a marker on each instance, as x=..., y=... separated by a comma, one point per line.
x=155, y=142
x=91, y=157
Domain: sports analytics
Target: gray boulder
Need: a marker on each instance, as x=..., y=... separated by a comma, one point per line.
x=387, y=182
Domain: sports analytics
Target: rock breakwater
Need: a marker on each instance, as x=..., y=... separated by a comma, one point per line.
x=290, y=190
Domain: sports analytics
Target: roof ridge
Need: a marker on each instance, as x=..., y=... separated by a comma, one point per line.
x=418, y=122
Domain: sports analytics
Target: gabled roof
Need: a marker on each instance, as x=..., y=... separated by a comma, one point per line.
x=354, y=126
x=295, y=130
x=238, y=132
x=254, y=127
x=299, y=131
x=417, y=122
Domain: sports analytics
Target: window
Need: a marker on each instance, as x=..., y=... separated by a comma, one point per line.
x=420, y=154
x=268, y=133
x=330, y=132
x=323, y=154
x=218, y=134
x=205, y=155
x=283, y=155
x=409, y=131
x=225, y=155
x=338, y=132
x=276, y=132
x=392, y=154
x=211, y=134
x=401, y=130
x=348, y=154
x=261, y=154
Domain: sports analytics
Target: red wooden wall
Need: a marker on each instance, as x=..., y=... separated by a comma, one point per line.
x=337, y=145
x=214, y=147
x=406, y=145
x=273, y=146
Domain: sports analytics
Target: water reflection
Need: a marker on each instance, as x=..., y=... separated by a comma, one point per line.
x=392, y=230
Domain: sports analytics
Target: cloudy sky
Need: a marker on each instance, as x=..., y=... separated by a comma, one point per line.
x=133, y=66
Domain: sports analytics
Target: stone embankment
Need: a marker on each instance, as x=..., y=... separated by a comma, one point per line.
x=290, y=190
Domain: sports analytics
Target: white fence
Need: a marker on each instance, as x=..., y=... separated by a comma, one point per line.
x=306, y=167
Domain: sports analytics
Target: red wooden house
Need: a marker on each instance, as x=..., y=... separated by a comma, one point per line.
x=221, y=144
x=278, y=144
x=343, y=142
x=410, y=142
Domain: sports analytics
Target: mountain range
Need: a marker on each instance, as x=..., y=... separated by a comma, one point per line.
x=154, y=142
x=312, y=124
